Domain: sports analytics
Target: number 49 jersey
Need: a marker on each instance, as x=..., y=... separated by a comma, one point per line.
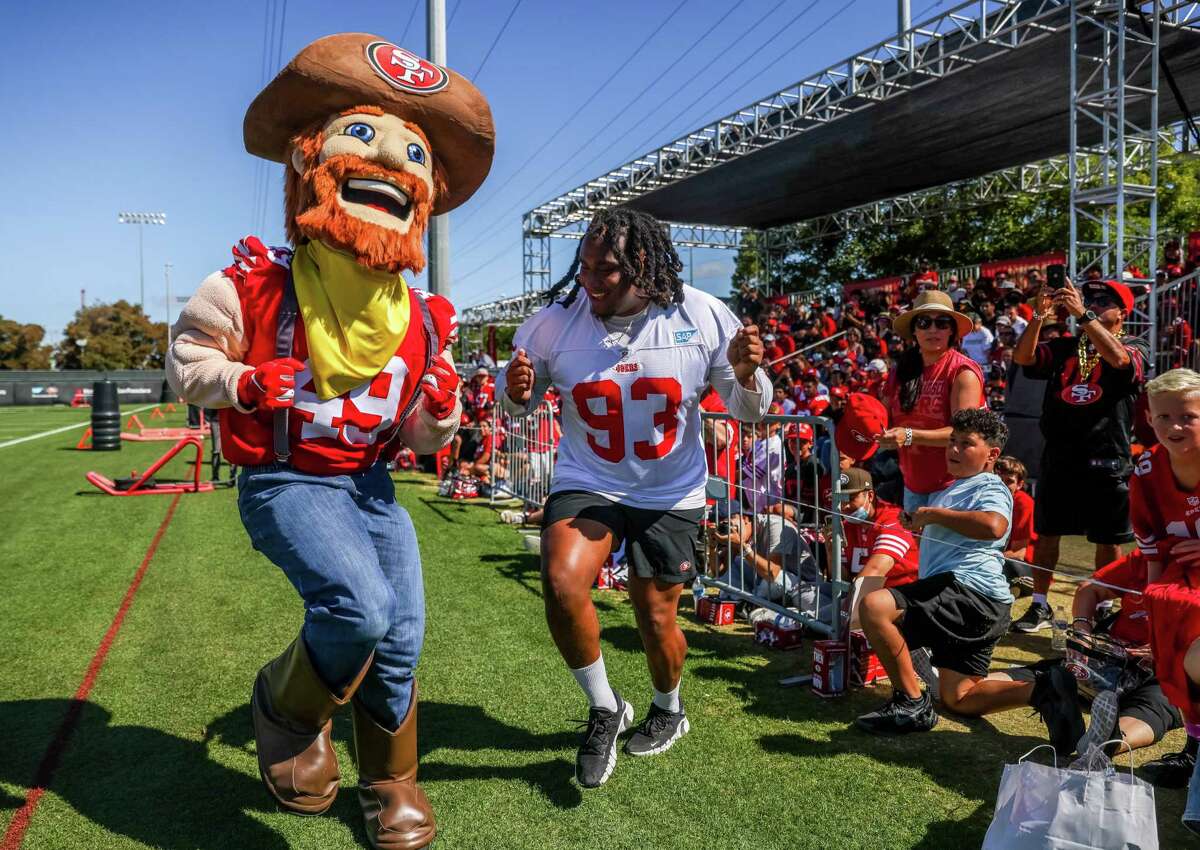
x=1158, y=509
x=630, y=413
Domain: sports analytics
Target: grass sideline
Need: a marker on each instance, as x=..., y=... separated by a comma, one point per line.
x=163, y=755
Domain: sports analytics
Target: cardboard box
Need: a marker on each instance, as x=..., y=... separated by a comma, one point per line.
x=829, y=668
x=778, y=632
x=865, y=667
x=711, y=610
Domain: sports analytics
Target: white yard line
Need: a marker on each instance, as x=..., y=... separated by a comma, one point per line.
x=54, y=431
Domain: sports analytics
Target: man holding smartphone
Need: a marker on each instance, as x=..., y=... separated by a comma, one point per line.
x=1092, y=380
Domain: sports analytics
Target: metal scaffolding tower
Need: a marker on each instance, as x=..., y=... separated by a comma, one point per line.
x=1114, y=70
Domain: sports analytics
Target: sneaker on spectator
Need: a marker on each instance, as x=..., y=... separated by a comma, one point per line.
x=1172, y=770
x=513, y=517
x=1100, y=729
x=1056, y=699
x=1036, y=619
x=658, y=732
x=597, y=754
x=922, y=662
x=900, y=715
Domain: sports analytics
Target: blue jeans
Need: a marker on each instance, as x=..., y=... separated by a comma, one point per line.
x=1191, y=810
x=351, y=553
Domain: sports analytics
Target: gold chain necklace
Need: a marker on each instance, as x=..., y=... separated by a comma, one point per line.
x=1089, y=357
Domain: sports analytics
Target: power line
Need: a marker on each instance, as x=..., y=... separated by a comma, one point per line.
x=552, y=137
x=411, y=14
x=606, y=126
x=495, y=40
x=453, y=12
x=525, y=198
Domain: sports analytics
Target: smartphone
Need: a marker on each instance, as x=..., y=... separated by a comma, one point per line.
x=1056, y=275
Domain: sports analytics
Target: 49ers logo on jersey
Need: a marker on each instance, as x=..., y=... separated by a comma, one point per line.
x=355, y=418
x=1081, y=394
x=405, y=70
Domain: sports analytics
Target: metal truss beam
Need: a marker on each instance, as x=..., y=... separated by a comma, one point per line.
x=512, y=309
x=682, y=235
x=962, y=37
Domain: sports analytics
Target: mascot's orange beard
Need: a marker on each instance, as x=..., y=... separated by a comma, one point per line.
x=314, y=212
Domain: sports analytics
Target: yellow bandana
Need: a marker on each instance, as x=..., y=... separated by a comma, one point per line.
x=354, y=317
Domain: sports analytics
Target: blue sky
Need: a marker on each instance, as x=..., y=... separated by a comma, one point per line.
x=138, y=106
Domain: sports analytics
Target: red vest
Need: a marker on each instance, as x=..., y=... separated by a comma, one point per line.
x=343, y=434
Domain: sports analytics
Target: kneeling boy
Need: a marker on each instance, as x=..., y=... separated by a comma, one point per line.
x=958, y=607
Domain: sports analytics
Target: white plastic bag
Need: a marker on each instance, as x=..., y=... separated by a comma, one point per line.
x=1052, y=808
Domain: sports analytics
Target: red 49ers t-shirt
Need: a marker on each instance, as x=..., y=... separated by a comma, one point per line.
x=882, y=535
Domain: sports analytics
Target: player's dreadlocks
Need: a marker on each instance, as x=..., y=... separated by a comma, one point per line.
x=648, y=258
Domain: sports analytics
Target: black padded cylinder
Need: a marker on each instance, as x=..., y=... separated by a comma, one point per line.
x=106, y=417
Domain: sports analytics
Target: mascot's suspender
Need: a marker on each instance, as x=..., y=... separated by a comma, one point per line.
x=285, y=336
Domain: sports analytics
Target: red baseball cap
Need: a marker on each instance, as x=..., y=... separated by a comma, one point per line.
x=839, y=392
x=818, y=407
x=1120, y=291
x=798, y=431
x=863, y=418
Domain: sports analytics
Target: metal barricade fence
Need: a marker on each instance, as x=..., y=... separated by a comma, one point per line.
x=767, y=542
x=1177, y=316
x=523, y=465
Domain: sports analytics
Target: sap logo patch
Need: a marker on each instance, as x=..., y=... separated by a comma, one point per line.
x=684, y=337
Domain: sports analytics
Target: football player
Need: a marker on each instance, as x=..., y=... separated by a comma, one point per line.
x=632, y=350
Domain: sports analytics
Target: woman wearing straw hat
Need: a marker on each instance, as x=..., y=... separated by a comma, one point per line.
x=932, y=381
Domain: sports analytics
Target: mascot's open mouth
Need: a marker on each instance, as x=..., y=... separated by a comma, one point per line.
x=378, y=195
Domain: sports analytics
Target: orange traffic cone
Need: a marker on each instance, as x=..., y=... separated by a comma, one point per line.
x=133, y=420
x=157, y=413
x=170, y=407
x=85, y=442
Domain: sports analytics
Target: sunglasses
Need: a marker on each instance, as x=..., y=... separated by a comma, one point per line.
x=1101, y=299
x=924, y=323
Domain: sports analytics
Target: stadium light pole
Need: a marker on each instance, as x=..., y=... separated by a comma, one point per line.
x=141, y=219
x=439, y=225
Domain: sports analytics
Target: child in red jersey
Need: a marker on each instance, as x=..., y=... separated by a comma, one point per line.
x=880, y=552
x=1021, y=539
x=1165, y=511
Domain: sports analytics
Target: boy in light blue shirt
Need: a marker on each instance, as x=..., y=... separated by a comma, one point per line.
x=959, y=605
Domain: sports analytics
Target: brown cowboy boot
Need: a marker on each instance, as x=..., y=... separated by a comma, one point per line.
x=292, y=711
x=397, y=814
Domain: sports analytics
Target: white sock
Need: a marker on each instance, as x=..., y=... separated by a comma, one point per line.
x=1040, y=599
x=594, y=681
x=669, y=700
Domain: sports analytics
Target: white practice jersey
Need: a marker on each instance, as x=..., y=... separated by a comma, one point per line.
x=630, y=412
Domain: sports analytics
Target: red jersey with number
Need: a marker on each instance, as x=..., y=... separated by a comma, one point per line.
x=882, y=535
x=924, y=467
x=1159, y=510
x=631, y=398
x=338, y=435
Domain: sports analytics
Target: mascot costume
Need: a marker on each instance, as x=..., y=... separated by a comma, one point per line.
x=325, y=364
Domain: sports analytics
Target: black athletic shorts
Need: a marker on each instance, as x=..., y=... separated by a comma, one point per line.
x=1080, y=495
x=661, y=544
x=1146, y=702
x=960, y=626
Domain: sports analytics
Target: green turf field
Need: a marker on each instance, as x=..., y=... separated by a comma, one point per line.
x=163, y=753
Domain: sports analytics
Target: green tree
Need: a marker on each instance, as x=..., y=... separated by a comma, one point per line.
x=21, y=346
x=1029, y=224
x=117, y=336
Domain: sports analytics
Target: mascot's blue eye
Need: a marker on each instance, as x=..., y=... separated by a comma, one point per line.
x=360, y=131
x=416, y=154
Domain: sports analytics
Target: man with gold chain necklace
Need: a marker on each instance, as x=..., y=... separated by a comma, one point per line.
x=1092, y=382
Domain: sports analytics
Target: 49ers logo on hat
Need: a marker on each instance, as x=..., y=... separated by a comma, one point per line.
x=1081, y=394
x=406, y=70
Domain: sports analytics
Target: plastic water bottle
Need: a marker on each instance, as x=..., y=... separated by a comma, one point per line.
x=1058, y=637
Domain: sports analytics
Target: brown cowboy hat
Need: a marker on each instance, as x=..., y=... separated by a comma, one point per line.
x=350, y=69
x=931, y=301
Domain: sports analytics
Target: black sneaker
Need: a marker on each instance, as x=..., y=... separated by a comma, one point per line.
x=1173, y=770
x=1036, y=619
x=1056, y=698
x=597, y=754
x=658, y=732
x=900, y=715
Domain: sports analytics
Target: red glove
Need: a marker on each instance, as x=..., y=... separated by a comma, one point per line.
x=271, y=385
x=440, y=389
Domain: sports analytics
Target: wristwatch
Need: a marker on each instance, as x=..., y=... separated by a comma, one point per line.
x=1088, y=316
